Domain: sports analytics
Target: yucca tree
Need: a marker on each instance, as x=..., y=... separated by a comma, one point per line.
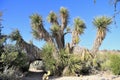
x=32, y=51
x=102, y=25
x=59, y=28
x=79, y=27
x=38, y=29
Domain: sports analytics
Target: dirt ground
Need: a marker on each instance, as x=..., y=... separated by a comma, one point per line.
x=101, y=76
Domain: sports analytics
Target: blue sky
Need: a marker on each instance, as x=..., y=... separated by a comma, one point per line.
x=16, y=16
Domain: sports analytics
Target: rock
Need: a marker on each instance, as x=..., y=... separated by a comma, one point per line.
x=102, y=79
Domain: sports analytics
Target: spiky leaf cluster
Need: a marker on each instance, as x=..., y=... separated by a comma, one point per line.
x=38, y=30
x=36, y=21
x=55, y=28
x=52, y=17
x=15, y=35
x=79, y=25
x=102, y=22
x=64, y=17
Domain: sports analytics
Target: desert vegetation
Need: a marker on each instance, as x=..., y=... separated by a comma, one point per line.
x=58, y=57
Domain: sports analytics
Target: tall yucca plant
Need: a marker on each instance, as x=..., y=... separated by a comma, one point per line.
x=38, y=29
x=79, y=27
x=32, y=51
x=102, y=25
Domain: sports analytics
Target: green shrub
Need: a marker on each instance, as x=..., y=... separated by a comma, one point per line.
x=17, y=59
x=105, y=66
x=103, y=61
x=48, y=59
x=115, y=63
x=73, y=65
x=11, y=74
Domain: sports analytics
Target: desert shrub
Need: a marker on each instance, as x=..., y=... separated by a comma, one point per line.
x=22, y=62
x=17, y=59
x=105, y=66
x=11, y=74
x=63, y=58
x=115, y=63
x=78, y=64
x=48, y=60
x=109, y=62
x=73, y=65
x=103, y=61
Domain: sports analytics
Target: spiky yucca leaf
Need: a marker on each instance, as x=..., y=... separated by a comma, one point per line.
x=102, y=22
x=36, y=21
x=79, y=25
x=64, y=12
x=36, y=35
x=15, y=35
x=64, y=17
x=55, y=28
x=52, y=17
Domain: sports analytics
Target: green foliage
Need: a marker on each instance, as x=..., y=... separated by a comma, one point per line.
x=115, y=63
x=15, y=35
x=102, y=22
x=36, y=21
x=35, y=34
x=70, y=63
x=21, y=61
x=79, y=25
x=64, y=14
x=64, y=11
x=63, y=58
x=104, y=61
x=14, y=57
x=48, y=59
x=76, y=64
x=11, y=74
x=55, y=28
x=52, y=17
x=1, y=45
x=110, y=62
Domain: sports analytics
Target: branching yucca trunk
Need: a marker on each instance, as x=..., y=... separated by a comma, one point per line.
x=101, y=23
x=98, y=41
x=31, y=50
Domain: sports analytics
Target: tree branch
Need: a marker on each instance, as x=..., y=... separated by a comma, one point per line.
x=67, y=32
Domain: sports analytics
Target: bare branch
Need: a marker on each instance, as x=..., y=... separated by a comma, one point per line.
x=67, y=32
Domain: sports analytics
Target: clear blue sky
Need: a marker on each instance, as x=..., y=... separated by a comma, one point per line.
x=16, y=16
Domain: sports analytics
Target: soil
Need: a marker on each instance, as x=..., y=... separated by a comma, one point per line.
x=36, y=75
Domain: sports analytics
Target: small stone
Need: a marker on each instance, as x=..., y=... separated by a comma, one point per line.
x=113, y=77
x=103, y=79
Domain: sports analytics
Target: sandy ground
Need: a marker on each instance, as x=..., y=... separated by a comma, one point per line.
x=101, y=76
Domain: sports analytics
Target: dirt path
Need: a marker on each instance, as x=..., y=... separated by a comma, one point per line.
x=102, y=76
x=33, y=76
